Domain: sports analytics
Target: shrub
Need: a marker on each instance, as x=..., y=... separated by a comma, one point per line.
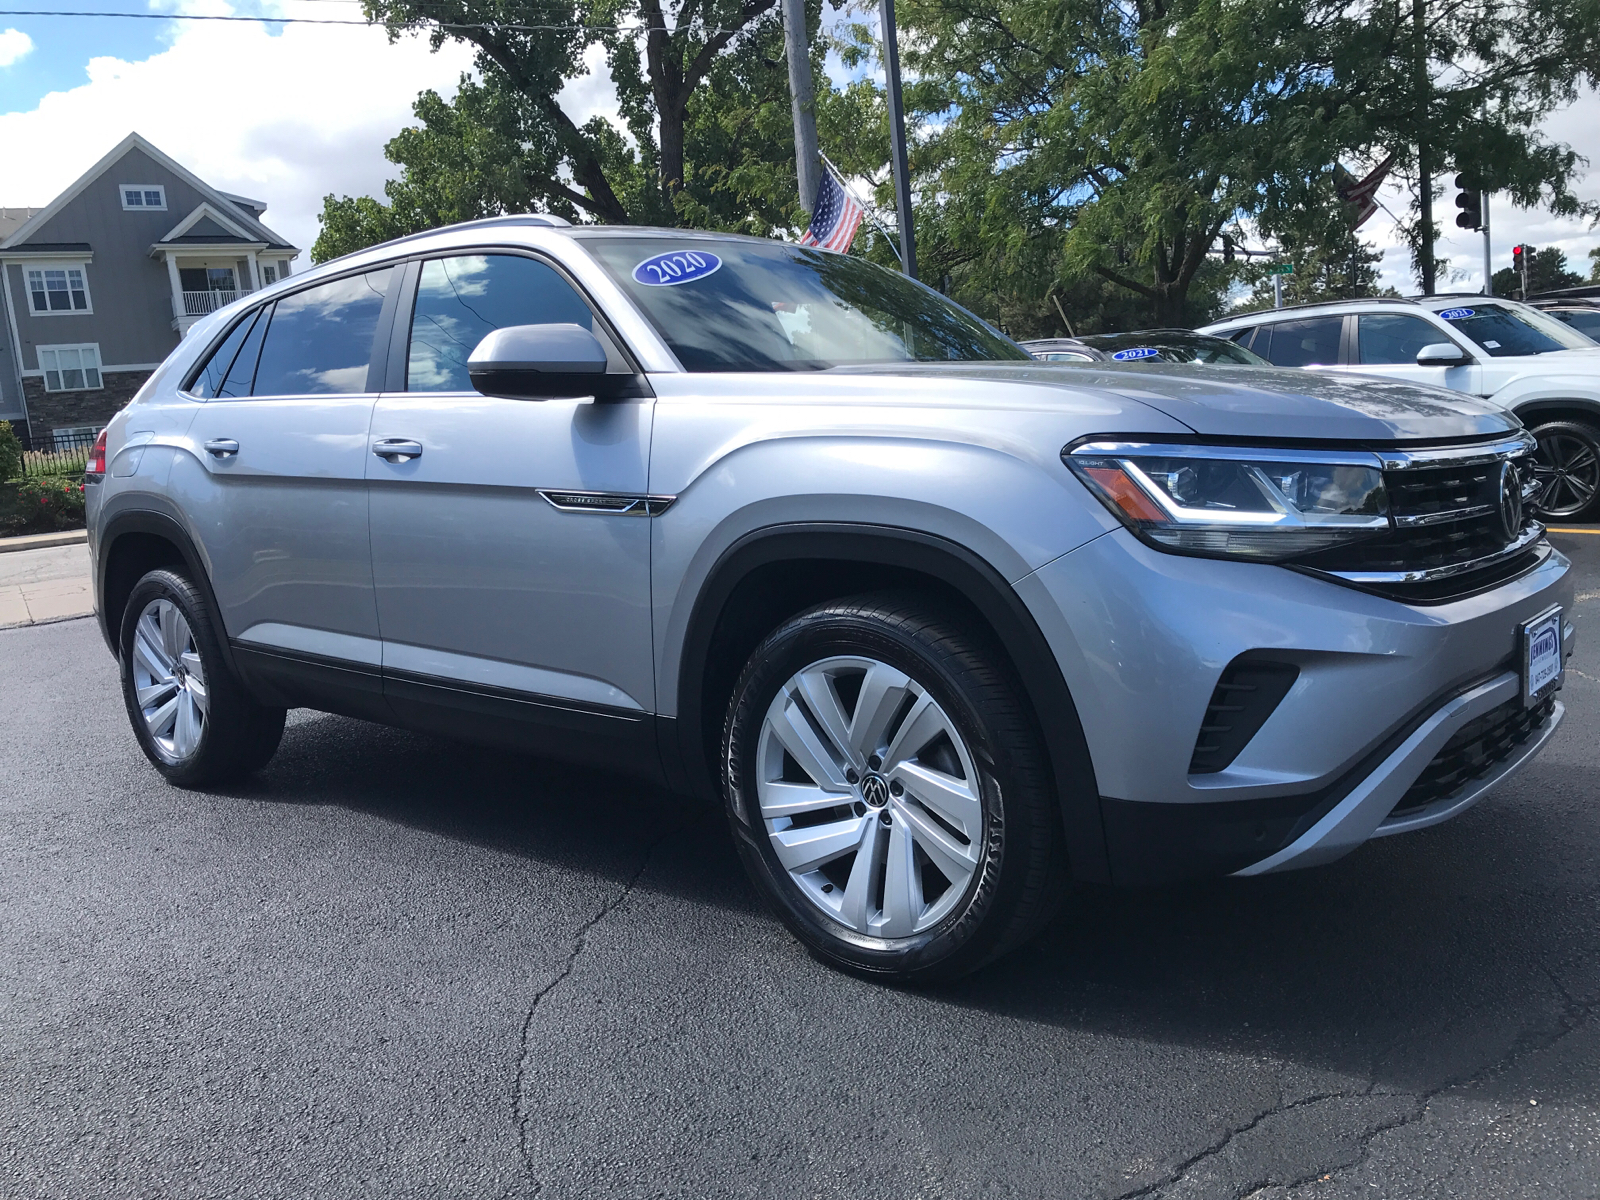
x=53, y=502
x=10, y=452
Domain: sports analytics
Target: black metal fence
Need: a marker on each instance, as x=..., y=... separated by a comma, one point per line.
x=63, y=452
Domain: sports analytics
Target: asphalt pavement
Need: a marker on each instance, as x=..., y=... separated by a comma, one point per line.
x=394, y=966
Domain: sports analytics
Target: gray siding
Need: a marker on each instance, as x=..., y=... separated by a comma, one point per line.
x=128, y=290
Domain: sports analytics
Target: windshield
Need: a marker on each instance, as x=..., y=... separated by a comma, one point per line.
x=748, y=306
x=1505, y=330
x=1166, y=346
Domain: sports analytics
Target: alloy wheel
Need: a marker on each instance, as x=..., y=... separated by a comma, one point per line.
x=870, y=796
x=169, y=681
x=1568, y=468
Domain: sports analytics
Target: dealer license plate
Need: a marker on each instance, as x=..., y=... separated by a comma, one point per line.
x=1541, y=656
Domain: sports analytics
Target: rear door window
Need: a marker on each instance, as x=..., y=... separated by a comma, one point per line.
x=1310, y=342
x=462, y=300
x=1585, y=321
x=319, y=342
x=209, y=381
x=1395, y=337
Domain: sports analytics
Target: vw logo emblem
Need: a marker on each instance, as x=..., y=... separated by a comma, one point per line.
x=1510, y=500
x=875, y=790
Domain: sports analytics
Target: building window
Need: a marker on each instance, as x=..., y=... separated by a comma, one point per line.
x=269, y=275
x=57, y=290
x=70, y=368
x=144, y=196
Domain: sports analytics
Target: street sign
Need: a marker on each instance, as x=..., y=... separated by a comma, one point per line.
x=1281, y=269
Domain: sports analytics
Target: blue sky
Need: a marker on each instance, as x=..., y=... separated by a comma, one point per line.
x=63, y=46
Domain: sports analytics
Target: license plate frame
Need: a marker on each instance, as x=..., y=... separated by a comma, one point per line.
x=1541, y=676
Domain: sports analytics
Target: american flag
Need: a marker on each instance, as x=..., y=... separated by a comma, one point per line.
x=834, y=217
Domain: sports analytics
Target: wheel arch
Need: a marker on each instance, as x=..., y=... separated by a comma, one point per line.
x=761, y=580
x=132, y=542
x=1558, y=408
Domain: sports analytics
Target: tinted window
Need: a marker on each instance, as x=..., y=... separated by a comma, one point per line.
x=755, y=306
x=209, y=382
x=1173, y=346
x=1585, y=321
x=1395, y=338
x=1301, y=343
x=1064, y=356
x=1504, y=330
x=319, y=341
x=462, y=300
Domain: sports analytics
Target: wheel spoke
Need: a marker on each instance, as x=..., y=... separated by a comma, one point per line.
x=156, y=692
x=1583, y=460
x=197, y=693
x=796, y=736
x=160, y=721
x=817, y=690
x=806, y=849
x=186, y=729
x=856, y=911
x=954, y=860
x=883, y=691
x=902, y=886
x=174, y=634
x=780, y=799
x=952, y=798
x=1581, y=489
x=147, y=648
x=922, y=724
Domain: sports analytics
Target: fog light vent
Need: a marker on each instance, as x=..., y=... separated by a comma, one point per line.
x=1242, y=701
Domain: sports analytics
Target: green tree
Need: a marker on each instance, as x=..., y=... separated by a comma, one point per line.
x=1594, y=271
x=1129, y=135
x=1546, y=269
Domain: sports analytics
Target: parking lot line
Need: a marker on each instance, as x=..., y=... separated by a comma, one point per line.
x=1555, y=529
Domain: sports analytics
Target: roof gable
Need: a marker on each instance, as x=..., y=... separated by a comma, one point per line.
x=216, y=201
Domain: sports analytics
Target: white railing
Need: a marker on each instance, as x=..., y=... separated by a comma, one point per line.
x=198, y=304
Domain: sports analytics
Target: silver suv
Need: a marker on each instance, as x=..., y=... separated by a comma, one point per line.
x=1514, y=355
x=943, y=627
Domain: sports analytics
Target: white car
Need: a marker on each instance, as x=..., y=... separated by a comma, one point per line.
x=1540, y=368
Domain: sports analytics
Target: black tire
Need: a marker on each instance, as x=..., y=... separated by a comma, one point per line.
x=1022, y=875
x=237, y=735
x=1568, y=464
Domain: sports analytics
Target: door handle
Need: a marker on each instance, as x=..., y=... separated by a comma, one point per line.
x=397, y=450
x=222, y=447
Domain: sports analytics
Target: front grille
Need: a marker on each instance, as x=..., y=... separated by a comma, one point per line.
x=1446, y=521
x=1477, y=747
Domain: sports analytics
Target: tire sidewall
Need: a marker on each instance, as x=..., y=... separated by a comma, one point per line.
x=1583, y=432
x=795, y=645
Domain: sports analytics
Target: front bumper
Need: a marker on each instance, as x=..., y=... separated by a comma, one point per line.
x=1143, y=637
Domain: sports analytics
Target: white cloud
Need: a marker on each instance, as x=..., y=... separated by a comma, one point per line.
x=285, y=118
x=14, y=44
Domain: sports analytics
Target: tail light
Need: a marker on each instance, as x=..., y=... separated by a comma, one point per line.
x=97, y=457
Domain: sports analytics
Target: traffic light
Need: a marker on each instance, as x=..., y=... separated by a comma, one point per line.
x=1519, y=258
x=1470, y=201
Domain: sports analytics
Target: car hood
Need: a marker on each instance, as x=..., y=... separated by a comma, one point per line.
x=1257, y=402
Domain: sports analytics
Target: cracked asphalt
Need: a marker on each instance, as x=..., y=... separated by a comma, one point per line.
x=395, y=966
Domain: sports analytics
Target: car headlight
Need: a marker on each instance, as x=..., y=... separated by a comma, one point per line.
x=1236, y=502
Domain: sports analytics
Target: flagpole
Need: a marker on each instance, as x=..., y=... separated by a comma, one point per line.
x=897, y=139
x=866, y=208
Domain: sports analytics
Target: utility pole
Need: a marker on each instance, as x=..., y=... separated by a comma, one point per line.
x=1488, y=254
x=1419, y=17
x=897, y=139
x=797, y=44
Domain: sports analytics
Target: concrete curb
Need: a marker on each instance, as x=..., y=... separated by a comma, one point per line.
x=38, y=541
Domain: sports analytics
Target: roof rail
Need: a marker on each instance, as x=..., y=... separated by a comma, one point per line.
x=547, y=220
x=1321, y=304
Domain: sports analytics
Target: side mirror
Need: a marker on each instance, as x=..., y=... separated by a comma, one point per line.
x=1442, y=354
x=545, y=362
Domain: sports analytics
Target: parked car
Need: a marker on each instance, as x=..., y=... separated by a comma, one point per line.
x=944, y=628
x=1577, y=306
x=1144, y=346
x=1546, y=372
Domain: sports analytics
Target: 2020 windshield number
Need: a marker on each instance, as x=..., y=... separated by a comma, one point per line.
x=675, y=267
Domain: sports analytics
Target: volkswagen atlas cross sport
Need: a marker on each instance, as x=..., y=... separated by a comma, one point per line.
x=943, y=627
x=1542, y=369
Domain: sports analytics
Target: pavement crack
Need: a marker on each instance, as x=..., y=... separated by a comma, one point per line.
x=579, y=945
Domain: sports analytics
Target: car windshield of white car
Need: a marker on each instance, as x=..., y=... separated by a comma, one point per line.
x=745, y=306
x=1506, y=332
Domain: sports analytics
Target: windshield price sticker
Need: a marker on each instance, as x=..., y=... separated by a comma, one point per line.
x=1456, y=314
x=1136, y=352
x=1542, y=639
x=675, y=267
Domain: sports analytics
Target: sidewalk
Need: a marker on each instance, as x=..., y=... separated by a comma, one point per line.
x=42, y=585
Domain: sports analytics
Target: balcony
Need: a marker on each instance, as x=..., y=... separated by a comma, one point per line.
x=198, y=304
